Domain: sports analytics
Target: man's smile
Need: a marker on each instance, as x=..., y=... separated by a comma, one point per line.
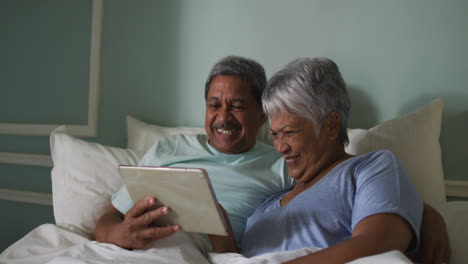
x=225, y=131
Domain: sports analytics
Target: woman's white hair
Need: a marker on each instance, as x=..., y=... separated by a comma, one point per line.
x=311, y=88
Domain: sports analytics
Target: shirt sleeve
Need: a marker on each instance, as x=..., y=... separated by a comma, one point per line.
x=149, y=156
x=383, y=186
x=121, y=200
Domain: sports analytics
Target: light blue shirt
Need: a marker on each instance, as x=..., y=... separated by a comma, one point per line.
x=327, y=212
x=241, y=182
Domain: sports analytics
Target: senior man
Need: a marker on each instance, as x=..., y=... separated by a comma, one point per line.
x=243, y=171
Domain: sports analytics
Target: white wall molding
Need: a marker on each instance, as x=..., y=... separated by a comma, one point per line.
x=453, y=188
x=26, y=197
x=456, y=188
x=91, y=129
x=40, y=160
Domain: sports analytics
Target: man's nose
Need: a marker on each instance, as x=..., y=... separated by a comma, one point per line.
x=224, y=114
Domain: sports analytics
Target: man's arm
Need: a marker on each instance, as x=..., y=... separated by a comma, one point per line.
x=223, y=244
x=373, y=235
x=435, y=244
x=133, y=230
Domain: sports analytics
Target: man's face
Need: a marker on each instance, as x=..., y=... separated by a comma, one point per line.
x=232, y=119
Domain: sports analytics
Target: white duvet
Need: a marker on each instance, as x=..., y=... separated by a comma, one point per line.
x=50, y=243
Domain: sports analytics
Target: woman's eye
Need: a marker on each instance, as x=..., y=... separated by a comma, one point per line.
x=289, y=133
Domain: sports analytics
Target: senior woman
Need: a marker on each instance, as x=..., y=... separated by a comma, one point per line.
x=352, y=206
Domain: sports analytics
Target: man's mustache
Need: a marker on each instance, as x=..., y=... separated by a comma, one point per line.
x=226, y=126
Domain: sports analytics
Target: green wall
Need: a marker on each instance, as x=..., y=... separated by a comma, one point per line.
x=394, y=55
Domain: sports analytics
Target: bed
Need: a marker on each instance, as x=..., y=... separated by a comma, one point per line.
x=85, y=176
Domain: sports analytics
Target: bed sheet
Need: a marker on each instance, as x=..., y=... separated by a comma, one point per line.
x=50, y=243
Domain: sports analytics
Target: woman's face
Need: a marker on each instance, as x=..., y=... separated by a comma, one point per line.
x=302, y=145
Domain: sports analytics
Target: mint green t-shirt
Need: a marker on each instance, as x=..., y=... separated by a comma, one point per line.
x=241, y=182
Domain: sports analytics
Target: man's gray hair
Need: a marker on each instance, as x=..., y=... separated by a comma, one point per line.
x=247, y=69
x=311, y=88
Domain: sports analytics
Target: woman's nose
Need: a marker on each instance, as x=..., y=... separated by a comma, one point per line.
x=283, y=147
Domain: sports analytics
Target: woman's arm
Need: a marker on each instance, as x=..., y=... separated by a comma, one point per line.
x=372, y=235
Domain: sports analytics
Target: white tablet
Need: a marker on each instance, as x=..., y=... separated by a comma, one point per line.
x=187, y=191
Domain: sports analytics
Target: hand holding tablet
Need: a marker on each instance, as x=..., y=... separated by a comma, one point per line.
x=187, y=191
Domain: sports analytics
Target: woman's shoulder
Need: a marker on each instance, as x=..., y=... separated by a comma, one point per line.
x=382, y=153
x=378, y=156
x=380, y=162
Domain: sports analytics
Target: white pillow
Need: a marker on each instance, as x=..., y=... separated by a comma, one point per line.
x=84, y=177
x=414, y=138
x=141, y=135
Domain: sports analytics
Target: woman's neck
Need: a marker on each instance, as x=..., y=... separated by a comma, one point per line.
x=335, y=157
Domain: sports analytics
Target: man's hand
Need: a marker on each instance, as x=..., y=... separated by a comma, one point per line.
x=435, y=244
x=135, y=231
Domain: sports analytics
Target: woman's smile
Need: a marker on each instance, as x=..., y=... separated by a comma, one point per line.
x=291, y=160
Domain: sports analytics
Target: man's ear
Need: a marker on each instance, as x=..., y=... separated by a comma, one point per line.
x=333, y=125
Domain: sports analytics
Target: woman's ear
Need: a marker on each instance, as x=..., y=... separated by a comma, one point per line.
x=263, y=118
x=333, y=125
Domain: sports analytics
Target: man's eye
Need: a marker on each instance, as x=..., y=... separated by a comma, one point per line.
x=274, y=134
x=238, y=107
x=213, y=105
x=290, y=132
